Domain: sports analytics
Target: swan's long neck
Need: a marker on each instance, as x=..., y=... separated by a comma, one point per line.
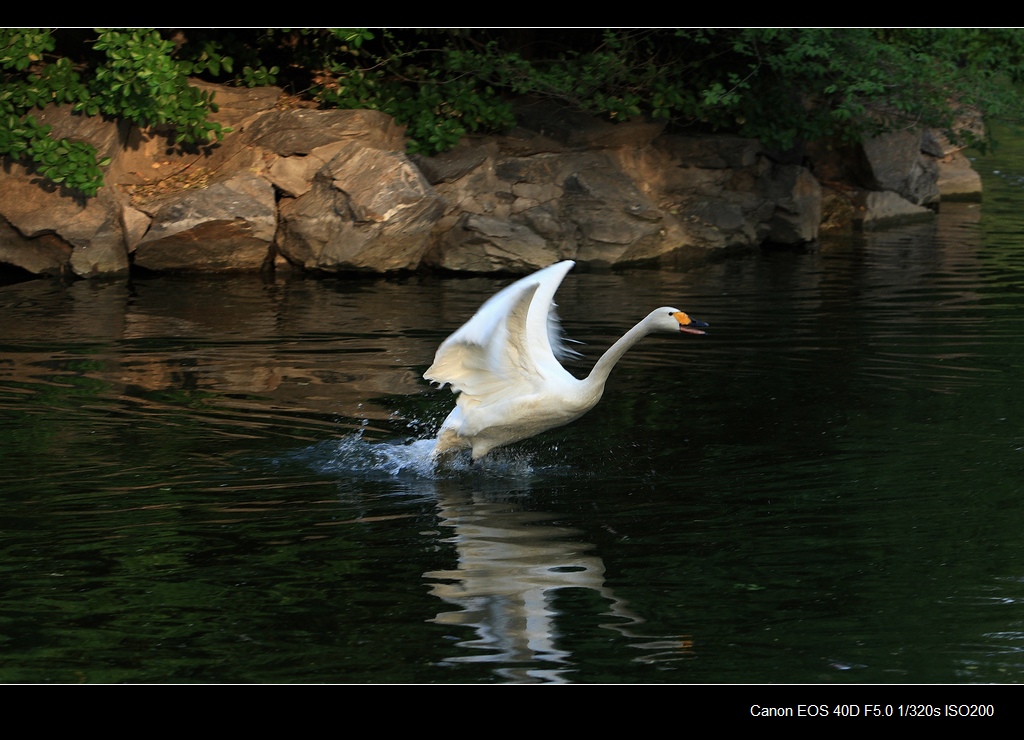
x=599, y=375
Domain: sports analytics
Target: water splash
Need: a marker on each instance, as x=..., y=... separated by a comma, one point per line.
x=353, y=454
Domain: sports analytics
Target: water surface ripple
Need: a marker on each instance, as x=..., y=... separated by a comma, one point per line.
x=228, y=480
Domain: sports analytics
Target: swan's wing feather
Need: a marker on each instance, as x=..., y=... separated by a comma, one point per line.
x=488, y=355
x=543, y=327
x=558, y=340
x=505, y=350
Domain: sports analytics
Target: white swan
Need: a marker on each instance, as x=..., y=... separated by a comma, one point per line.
x=502, y=363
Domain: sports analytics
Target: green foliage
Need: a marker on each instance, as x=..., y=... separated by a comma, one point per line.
x=23, y=47
x=782, y=86
x=779, y=85
x=207, y=58
x=420, y=85
x=135, y=78
x=140, y=81
x=260, y=77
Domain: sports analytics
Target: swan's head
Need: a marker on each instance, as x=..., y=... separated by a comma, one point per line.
x=674, y=320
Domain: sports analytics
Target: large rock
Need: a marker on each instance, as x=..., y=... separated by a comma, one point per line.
x=237, y=105
x=105, y=135
x=334, y=191
x=897, y=164
x=883, y=207
x=615, y=222
x=958, y=180
x=293, y=176
x=300, y=131
x=798, y=205
x=227, y=225
x=485, y=244
x=623, y=202
x=91, y=230
x=46, y=254
x=516, y=213
x=367, y=210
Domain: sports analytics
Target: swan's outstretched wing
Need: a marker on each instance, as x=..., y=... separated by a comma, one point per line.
x=505, y=350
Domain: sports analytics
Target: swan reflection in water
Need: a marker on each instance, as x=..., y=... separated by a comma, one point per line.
x=511, y=568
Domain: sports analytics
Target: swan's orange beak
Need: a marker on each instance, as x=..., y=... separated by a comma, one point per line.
x=690, y=326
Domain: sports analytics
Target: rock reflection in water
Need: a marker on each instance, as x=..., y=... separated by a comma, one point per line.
x=218, y=343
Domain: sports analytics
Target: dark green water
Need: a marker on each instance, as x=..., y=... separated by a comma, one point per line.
x=223, y=480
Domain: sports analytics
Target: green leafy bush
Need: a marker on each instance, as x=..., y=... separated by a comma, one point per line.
x=782, y=86
x=140, y=81
x=134, y=78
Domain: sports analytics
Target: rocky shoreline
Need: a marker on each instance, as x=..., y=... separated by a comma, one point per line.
x=294, y=188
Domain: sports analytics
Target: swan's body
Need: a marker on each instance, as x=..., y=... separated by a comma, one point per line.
x=503, y=364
